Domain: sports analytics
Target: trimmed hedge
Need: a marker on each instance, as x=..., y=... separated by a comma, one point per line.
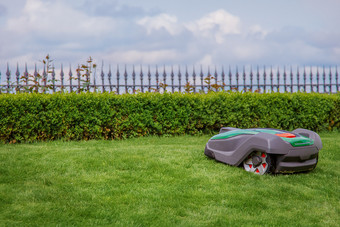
x=70, y=116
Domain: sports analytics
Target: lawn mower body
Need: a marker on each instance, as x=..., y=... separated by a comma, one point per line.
x=294, y=151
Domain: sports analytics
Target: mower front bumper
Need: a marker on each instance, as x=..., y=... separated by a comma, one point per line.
x=299, y=159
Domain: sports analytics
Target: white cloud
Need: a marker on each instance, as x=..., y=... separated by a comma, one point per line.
x=206, y=60
x=142, y=57
x=161, y=21
x=257, y=31
x=56, y=20
x=217, y=24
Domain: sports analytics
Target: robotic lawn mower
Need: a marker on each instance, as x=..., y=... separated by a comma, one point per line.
x=264, y=150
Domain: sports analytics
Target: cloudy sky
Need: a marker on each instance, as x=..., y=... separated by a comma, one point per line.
x=193, y=32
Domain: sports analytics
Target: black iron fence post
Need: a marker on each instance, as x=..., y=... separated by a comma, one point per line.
x=317, y=79
x=298, y=79
x=291, y=80
x=8, y=74
x=109, y=77
x=186, y=76
x=230, y=79
x=285, y=79
x=26, y=75
x=17, y=74
x=70, y=79
x=141, y=76
x=125, y=80
x=61, y=79
x=237, y=79
x=133, y=80
x=216, y=76
x=78, y=78
x=149, y=79
x=337, y=79
x=264, y=79
x=324, y=79
x=223, y=79
x=157, y=79
x=194, y=78
x=244, y=79
x=118, y=77
x=278, y=80
x=330, y=80
x=311, y=79
x=179, y=75
x=172, y=76
x=44, y=79
x=210, y=80
x=36, y=79
x=201, y=76
x=258, y=78
x=102, y=77
x=251, y=79
x=271, y=79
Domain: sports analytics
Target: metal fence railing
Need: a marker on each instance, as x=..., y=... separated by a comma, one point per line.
x=172, y=79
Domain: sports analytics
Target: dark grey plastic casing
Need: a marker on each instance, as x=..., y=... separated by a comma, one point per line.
x=235, y=150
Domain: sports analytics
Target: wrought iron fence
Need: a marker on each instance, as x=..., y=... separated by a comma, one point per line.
x=173, y=79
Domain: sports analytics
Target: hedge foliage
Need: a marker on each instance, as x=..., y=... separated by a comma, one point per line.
x=70, y=116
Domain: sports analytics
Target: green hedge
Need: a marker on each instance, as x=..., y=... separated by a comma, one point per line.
x=37, y=117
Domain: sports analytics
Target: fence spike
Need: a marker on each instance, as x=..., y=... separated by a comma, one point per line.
x=216, y=75
x=317, y=79
x=278, y=79
x=223, y=78
x=53, y=79
x=44, y=79
x=237, y=79
x=264, y=79
x=26, y=74
x=244, y=78
x=285, y=78
x=330, y=79
x=258, y=78
x=70, y=79
x=324, y=78
x=164, y=75
x=271, y=75
x=157, y=78
x=118, y=78
x=8, y=74
x=179, y=79
x=141, y=76
x=304, y=78
x=109, y=76
x=133, y=79
x=172, y=76
x=17, y=73
x=149, y=79
x=102, y=75
x=230, y=79
x=201, y=76
x=186, y=75
x=311, y=79
x=125, y=79
x=62, y=77
x=251, y=75
x=337, y=79
x=194, y=77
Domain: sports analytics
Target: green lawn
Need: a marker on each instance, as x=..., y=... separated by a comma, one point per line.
x=159, y=182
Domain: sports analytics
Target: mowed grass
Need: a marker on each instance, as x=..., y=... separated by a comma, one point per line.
x=159, y=182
